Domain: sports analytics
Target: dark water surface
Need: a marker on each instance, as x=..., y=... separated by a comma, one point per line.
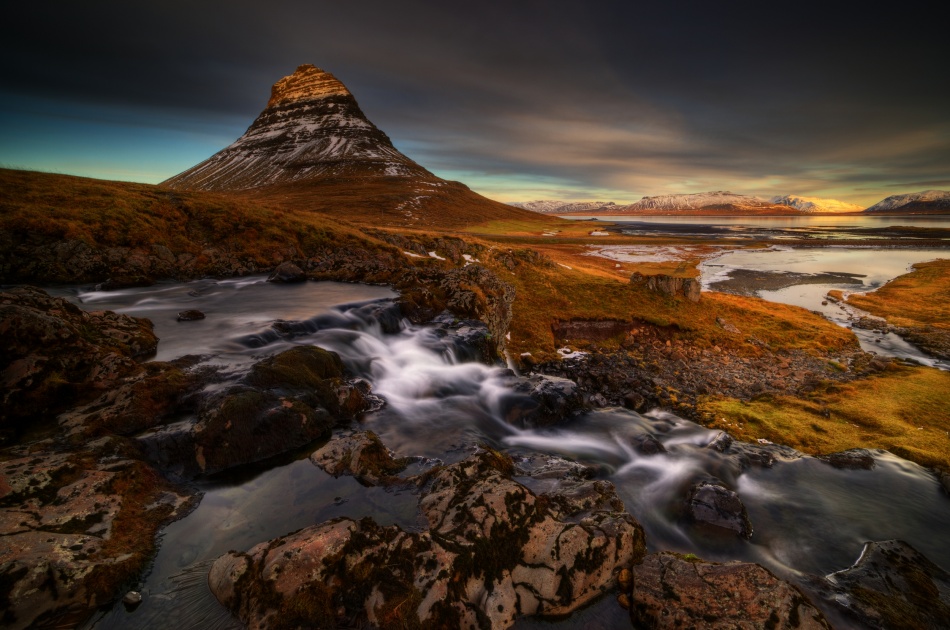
x=808, y=517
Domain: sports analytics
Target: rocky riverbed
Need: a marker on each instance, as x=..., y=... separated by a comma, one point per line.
x=89, y=476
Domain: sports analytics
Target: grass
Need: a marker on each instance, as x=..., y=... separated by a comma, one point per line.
x=921, y=297
x=547, y=292
x=903, y=410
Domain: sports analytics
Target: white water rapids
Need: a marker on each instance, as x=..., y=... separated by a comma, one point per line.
x=807, y=516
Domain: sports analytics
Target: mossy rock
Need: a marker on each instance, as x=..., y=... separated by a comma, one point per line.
x=303, y=367
x=245, y=425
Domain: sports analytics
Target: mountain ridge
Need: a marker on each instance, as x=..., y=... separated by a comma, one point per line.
x=921, y=202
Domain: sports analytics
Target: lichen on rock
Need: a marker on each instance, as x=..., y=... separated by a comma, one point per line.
x=494, y=550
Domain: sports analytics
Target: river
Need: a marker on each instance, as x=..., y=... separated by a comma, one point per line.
x=808, y=517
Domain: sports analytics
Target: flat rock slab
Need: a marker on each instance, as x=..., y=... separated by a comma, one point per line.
x=674, y=591
x=494, y=550
x=892, y=585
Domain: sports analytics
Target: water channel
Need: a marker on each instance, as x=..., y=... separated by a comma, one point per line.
x=808, y=516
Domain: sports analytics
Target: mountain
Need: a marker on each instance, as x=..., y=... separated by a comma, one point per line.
x=708, y=203
x=564, y=207
x=312, y=148
x=312, y=127
x=923, y=202
x=815, y=204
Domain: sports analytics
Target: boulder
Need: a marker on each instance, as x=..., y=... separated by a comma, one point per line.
x=65, y=518
x=55, y=355
x=541, y=400
x=191, y=315
x=494, y=550
x=361, y=455
x=713, y=504
x=287, y=272
x=853, y=459
x=675, y=591
x=892, y=586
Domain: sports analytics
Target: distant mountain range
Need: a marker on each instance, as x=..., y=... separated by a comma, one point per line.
x=724, y=202
x=924, y=202
x=562, y=207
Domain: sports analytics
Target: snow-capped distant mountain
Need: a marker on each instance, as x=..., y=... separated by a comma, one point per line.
x=715, y=202
x=553, y=206
x=311, y=127
x=923, y=202
x=815, y=204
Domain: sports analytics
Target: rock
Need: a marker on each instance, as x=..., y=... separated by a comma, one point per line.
x=243, y=424
x=690, y=288
x=190, y=315
x=287, y=272
x=646, y=444
x=141, y=402
x=725, y=325
x=362, y=455
x=540, y=400
x=54, y=355
x=64, y=553
x=853, y=459
x=893, y=586
x=674, y=591
x=124, y=282
x=493, y=551
x=132, y=599
x=714, y=505
x=721, y=442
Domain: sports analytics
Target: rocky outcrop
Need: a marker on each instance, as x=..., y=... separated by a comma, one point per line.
x=494, y=550
x=853, y=459
x=67, y=520
x=675, y=591
x=891, y=586
x=690, y=288
x=55, y=355
x=361, y=455
x=540, y=400
x=714, y=505
x=287, y=273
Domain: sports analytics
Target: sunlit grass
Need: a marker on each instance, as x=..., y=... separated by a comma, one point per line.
x=902, y=410
x=919, y=297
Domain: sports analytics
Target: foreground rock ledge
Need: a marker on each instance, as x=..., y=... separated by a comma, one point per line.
x=494, y=551
x=674, y=591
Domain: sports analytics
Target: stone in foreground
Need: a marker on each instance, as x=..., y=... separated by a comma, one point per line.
x=674, y=591
x=494, y=551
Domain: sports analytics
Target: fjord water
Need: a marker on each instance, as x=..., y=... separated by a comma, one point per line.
x=869, y=268
x=808, y=517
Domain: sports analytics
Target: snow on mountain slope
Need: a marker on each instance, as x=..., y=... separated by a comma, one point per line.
x=815, y=204
x=563, y=207
x=312, y=127
x=934, y=201
x=697, y=201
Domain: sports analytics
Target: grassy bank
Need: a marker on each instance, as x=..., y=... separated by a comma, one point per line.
x=903, y=410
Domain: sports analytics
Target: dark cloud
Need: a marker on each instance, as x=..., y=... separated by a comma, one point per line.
x=621, y=96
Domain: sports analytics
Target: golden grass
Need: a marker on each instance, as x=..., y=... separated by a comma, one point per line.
x=547, y=292
x=913, y=299
x=43, y=207
x=903, y=410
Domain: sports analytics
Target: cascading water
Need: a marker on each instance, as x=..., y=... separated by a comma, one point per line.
x=808, y=517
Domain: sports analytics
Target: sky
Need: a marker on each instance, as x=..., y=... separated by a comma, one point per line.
x=520, y=100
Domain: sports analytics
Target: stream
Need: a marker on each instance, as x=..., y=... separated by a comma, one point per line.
x=808, y=517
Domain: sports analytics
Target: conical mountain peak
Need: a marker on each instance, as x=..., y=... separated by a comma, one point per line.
x=312, y=128
x=307, y=83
